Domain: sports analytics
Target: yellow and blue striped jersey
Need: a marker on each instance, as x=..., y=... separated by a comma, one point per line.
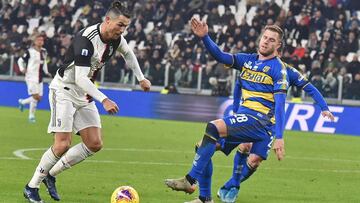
x=260, y=80
x=295, y=77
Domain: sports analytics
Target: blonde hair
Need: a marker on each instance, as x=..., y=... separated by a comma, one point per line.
x=276, y=29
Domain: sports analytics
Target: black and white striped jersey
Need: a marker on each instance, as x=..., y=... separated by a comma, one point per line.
x=88, y=49
x=33, y=64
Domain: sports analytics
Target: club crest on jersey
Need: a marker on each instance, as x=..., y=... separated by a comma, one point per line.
x=84, y=52
x=266, y=69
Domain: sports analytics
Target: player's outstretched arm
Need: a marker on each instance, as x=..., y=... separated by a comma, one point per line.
x=200, y=29
x=85, y=83
x=279, y=145
x=132, y=62
x=237, y=95
x=319, y=99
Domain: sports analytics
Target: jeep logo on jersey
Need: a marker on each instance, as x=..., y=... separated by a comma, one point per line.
x=84, y=52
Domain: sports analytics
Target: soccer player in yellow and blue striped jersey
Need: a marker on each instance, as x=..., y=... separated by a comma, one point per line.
x=265, y=82
x=229, y=191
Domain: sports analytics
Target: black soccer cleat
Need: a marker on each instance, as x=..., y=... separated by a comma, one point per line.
x=32, y=194
x=49, y=182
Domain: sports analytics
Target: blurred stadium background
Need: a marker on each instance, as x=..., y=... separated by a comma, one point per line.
x=322, y=41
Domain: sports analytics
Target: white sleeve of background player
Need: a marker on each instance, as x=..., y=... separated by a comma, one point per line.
x=22, y=64
x=82, y=80
x=130, y=58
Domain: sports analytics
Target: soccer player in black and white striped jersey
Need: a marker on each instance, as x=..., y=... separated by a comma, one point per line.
x=33, y=65
x=71, y=97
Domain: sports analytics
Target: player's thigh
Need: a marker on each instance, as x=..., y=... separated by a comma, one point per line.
x=262, y=148
x=34, y=88
x=86, y=116
x=62, y=112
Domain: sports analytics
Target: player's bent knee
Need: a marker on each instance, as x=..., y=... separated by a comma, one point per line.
x=59, y=148
x=245, y=147
x=95, y=146
x=37, y=97
x=220, y=126
x=254, y=160
x=212, y=131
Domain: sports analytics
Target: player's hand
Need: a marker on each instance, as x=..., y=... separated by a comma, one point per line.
x=279, y=148
x=200, y=28
x=145, y=84
x=110, y=106
x=328, y=114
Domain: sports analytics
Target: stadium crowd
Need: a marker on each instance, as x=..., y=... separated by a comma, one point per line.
x=320, y=36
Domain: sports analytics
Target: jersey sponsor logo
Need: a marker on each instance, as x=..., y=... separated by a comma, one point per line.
x=254, y=76
x=84, y=52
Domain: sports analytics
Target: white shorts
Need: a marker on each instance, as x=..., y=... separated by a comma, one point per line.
x=34, y=88
x=68, y=116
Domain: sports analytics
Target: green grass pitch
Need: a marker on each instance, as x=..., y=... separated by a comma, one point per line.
x=143, y=152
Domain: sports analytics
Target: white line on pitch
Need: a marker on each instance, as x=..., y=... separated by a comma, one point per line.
x=20, y=153
x=189, y=164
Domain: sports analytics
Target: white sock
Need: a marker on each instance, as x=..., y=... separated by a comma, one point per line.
x=74, y=155
x=27, y=100
x=47, y=161
x=32, y=109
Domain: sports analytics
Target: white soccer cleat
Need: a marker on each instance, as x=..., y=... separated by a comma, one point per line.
x=21, y=105
x=32, y=120
x=181, y=184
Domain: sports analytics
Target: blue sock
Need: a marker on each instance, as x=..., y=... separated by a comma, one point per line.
x=246, y=172
x=205, y=181
x=202, y=157
x=205, y=151
x=239, y=162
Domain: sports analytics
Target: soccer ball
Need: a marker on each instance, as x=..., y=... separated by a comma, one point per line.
x=125, y=194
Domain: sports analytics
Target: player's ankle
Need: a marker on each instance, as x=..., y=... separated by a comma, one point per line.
x=191, y=180
x=205, y=199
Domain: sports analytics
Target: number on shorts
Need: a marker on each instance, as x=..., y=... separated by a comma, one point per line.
x=239, y=118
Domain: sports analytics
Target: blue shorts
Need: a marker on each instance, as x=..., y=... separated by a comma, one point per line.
x=244, y=128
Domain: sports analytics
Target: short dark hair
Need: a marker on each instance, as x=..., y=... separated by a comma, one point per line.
x=119, y=7
x=276, y=29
